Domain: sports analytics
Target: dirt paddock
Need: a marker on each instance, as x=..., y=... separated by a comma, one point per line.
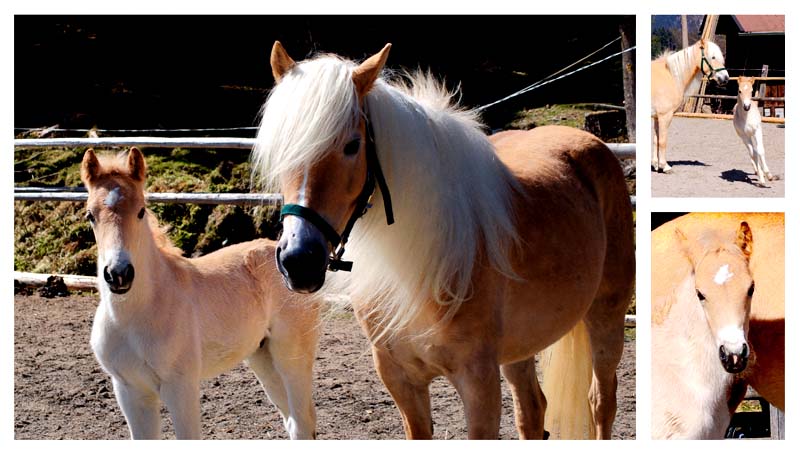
x=708, y=159
x=61, y=393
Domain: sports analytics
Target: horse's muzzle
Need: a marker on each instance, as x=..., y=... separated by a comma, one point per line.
x=302, y=256
x=734, y=362
x=119, y=278
x=722, y=78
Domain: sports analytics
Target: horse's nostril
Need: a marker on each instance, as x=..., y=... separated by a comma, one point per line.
x=745, y=351
x=107, y=276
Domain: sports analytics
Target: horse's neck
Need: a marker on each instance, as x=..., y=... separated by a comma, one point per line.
x=684, y=68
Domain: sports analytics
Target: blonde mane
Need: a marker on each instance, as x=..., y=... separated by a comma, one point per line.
x=451, y=194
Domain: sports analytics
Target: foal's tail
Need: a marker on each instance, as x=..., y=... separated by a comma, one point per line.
x=567, y=375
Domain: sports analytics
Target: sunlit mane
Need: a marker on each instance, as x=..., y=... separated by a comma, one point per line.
x=451, y=194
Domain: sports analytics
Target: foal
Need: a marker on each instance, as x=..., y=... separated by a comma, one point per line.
x=164, y=321
x=747, y=122
x=701, y=346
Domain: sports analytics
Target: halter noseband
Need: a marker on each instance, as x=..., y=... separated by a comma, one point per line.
x=704, y=61
x=374, y=176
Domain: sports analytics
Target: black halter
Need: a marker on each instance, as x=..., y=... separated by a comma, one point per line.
x=704, y=61
x=374, y=176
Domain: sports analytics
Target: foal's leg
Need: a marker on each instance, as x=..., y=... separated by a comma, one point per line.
x=410, y=394
x=758, y=147
x=283, y=365
x=182, y=398
x=529, y=400
x=140, y=408
x=663, y=131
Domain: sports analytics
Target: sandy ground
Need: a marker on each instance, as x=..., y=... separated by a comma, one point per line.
x=709, y=160
x=61, y=393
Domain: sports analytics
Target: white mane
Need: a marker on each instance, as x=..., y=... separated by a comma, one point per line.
x=685, y=65
x=451, y=194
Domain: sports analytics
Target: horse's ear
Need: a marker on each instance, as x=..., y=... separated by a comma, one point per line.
x=280, y=61
x=364, y=75
x=702, y=43
x=90, y=167
x=744, y=239
x=136, y=165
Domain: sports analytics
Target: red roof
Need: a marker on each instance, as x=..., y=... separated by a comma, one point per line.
x=760, y=24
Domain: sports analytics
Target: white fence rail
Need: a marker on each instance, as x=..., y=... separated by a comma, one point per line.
x=621, y=150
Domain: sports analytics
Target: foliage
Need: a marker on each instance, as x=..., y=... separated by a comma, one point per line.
x=55, y=237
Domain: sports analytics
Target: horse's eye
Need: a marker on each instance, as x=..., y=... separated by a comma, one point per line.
x=352, y=147
x=751, y=290
x=700, y=296
x=141, y=214
x=713, y=58
x=89, y=216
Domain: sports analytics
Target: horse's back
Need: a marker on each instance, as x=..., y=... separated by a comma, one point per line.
x=570, y=174
x=665, y=95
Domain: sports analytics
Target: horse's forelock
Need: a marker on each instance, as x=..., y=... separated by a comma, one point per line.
x=309, y=112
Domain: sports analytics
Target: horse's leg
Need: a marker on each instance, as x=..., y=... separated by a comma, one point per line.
x=410, y=394
x=654, y=135
x=182, y=398
x=478, y=384
x=140, y=408
x=529, y=400
x=663, y=130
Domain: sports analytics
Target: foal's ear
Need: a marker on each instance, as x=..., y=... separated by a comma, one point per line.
x=136, y=165
x=364, y=75
x=90, y=167
x=280, y=61
x=744, y=239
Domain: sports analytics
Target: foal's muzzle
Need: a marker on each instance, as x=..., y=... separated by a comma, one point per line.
x=746, y=107
x=734, y=362
x=119, y=278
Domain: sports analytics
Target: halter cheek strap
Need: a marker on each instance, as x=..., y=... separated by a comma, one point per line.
x=363, y=203
x=704, y=61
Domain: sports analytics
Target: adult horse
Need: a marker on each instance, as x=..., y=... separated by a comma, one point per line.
x=717, y=319
x=499, y=247
x=674, y=76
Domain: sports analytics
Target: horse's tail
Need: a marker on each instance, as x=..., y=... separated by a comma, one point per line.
x=567, y=375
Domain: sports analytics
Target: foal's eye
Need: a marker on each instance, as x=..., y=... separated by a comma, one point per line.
x=89, y=216
x=140, y=214
x=751, y=290
x=352, y=147
x=700, y=296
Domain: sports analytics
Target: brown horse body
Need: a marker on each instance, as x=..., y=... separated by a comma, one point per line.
x=548, y=250
x=673, y=77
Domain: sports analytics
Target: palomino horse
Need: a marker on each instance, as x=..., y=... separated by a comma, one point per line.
x=747, y=122
x=499, y=247
x=674, y=76
x=717, y=306
x=164, y=321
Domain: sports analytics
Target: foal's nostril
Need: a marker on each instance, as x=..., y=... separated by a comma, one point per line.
x=107, y=276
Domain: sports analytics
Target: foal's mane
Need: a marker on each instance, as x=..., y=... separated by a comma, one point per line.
x=116, y=167
x=452, y=196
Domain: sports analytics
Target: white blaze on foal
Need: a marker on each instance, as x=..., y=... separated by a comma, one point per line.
x=723, y=275
x=112, y=198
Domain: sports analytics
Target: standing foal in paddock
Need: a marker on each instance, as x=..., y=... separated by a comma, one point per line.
x=747, y=122
x=164, y=322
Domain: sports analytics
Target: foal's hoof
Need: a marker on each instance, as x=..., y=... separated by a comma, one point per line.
x=546, y=435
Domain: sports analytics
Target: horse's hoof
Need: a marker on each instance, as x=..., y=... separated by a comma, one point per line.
x=546, y=435
x=666, y=170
